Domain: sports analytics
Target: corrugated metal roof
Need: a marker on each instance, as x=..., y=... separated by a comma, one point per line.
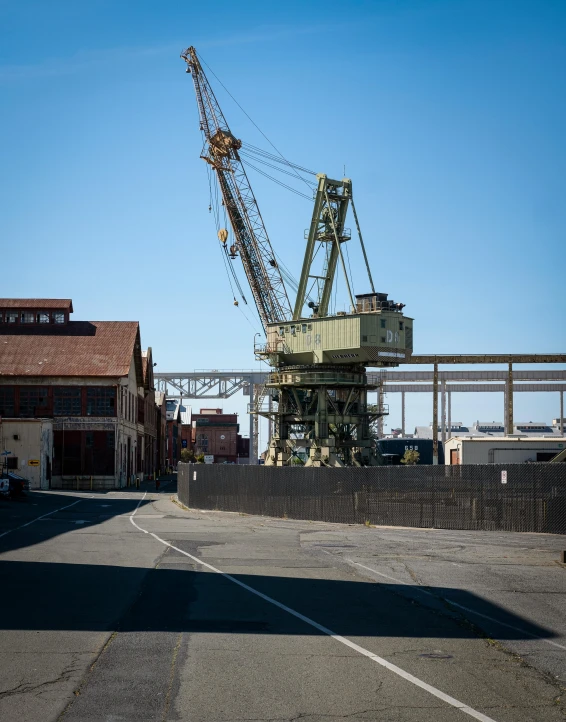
x=37, y=303
x=79, y=348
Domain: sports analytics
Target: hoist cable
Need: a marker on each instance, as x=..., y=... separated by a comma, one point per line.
x=275, y=180
x=270, y=156
x=247, y=116
x=264, y=162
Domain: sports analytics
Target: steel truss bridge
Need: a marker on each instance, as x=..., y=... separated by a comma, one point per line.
x=215, y=384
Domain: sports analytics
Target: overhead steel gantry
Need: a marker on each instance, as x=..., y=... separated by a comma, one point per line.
x=224, y=384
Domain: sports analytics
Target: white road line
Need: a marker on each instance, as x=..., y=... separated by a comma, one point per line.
x=455, y=604
x=39, y=517
x=374, y=657
x=134, y=513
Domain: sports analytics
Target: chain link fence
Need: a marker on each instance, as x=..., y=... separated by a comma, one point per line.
x=513, y=497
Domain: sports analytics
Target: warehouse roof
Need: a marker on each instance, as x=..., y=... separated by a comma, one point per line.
x=79, y=348
x=37, y=303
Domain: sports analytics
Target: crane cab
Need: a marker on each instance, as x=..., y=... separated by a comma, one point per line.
x=374, y=333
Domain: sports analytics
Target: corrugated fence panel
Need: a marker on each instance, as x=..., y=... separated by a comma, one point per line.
x=526, y=497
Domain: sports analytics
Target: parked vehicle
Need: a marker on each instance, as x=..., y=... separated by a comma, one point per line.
x=13, y=485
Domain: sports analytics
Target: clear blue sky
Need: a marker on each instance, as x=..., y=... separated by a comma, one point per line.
x=448, y=115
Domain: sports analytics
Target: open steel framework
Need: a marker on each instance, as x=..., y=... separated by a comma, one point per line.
x=216, y=384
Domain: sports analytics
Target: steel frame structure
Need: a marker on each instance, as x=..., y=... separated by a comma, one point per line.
x=224, y=384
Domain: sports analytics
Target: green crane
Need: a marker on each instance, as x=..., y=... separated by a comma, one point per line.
x=319, y=382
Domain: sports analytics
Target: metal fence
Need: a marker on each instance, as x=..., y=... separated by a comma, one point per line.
x=492, y=497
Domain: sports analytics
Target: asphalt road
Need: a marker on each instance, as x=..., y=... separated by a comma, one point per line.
x=123, y=607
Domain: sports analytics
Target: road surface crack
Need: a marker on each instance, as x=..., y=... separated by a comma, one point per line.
x=27, y=687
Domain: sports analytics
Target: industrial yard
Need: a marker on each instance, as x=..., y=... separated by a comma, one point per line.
x=309, y=464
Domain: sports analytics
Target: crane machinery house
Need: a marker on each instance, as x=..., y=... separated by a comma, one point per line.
x=318, y=385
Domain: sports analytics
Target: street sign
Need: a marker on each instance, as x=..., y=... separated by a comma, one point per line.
x=504, y=476
x=33, y=462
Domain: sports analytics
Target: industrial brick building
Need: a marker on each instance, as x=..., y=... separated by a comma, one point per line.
x=216, y=434
x=73, y=397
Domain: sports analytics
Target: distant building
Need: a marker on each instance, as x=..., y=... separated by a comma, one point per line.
x=186, y=428
x=149, y=416
x=71, y=393
x=503, y=450
x=215, y=434
x=482, y=429
x=173, y=443
x=161, y=423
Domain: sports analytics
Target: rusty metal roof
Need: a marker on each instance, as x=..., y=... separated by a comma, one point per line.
x=37, y=303
x=79, y=348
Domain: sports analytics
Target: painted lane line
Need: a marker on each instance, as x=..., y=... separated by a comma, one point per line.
x=39, y=517
x=455, y=604
x=352, y=645
x=134, y=513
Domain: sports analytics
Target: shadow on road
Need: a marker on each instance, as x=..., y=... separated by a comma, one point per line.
x=62, y=513
x=37, y=596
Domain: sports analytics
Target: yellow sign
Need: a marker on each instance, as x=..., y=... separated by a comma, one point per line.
x=33, y=462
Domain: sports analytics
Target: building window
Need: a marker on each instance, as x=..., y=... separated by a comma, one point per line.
x=28, y=317
x=202, y=443
x=304, y=328
x=383, y=339
x=89, y=439
x=100, y=401
x=281, y=330
x=292, y=330
x=7, y=407
x=58, y=317
x=12, y=317
x=400, y=325
x=67, y=401
x=364, y=338
x=33, y=401
x=383, y=323
x=43, y=317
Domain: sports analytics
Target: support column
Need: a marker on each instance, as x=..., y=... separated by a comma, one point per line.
x=435, y=415
x=562, y=413
x=253, y=422
x=443, y=411
x=403, y=414
x=270, y=422
x=509, y=401
x=449, y=414
x=380, y=409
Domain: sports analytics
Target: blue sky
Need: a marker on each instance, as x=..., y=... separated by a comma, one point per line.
x=448, y=115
